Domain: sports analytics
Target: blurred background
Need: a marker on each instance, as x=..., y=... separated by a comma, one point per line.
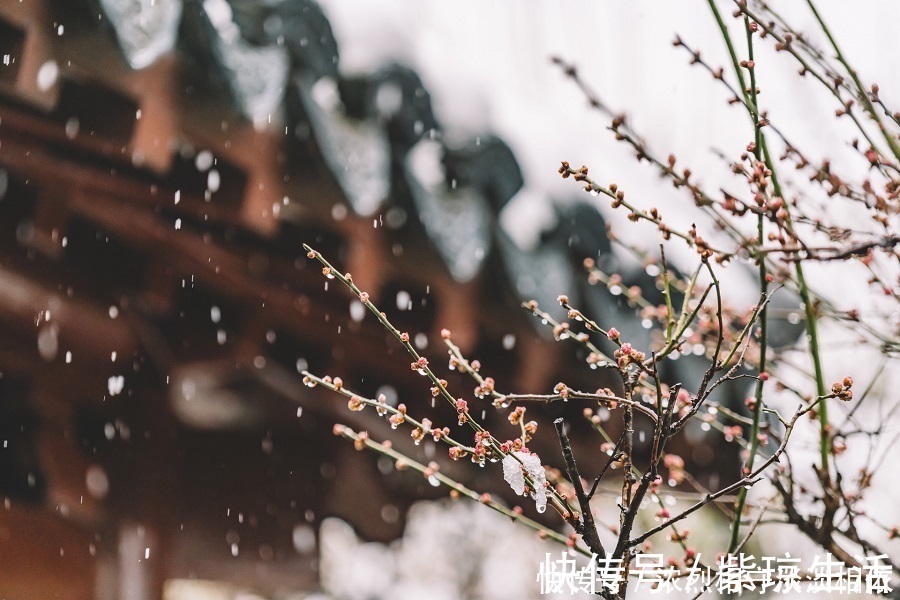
x=163, y=161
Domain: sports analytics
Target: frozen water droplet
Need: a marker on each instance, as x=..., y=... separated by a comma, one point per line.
x=72, y=127
x=177, y=223
x=215, y=314
x=47, y=75
x=421, y=341
x=509, y=341
x=404, y=300
x=433, y=480
x=213, y=181
x=299, y=411
x=204, y=160
x=338, y=212
x=541, y=509
x=113, y=312
x=48, y=342
x=357, y=310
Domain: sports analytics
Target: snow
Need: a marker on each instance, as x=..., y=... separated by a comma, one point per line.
x=514, y=474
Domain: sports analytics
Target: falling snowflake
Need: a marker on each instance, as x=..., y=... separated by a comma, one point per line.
x=115, y=385
x=514, y=473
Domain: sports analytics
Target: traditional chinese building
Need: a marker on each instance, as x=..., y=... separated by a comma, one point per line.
x=161, y=164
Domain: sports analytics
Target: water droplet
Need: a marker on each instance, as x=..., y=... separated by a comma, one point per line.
x=215, y=314
x=299, y=411
x=541, y=508
x=433, y=480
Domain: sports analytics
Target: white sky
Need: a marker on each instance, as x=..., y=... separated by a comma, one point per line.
x=486, y=66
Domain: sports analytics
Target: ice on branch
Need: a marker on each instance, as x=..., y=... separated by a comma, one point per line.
x=514, y=474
